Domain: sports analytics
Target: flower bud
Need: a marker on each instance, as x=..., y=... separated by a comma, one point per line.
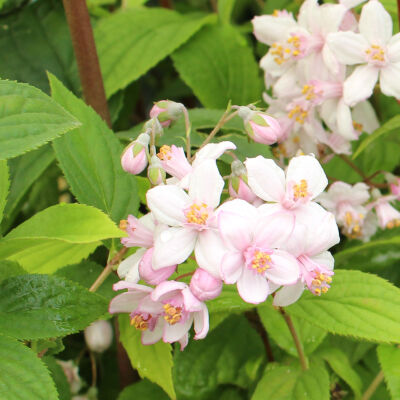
x=166, y=111
x=155, y=172
x=394, y=183
x=71, y=372
x=388, y=216
x=134, y=159
x=261, y=127
x=150, y=275
x=238, y=187
x=154, y=124
x=205, y=286
x=98, y=336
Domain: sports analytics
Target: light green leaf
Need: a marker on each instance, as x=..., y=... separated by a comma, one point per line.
x=143, y=390
x=387, y=127
x=340, y=363
x=310, y=335
x=57, y=236
x=389, y=358
x=4, y=186
x=131, y=42
x=357, y=304
x=29, y=119
x=90, y=160
x=44, y=306
x=225, y=8
x=22, y=373
x=153, y=362
x=229, y=300
x=218, y=65
x=291, y=383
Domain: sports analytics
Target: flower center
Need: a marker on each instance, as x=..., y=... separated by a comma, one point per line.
x=141, y=321
x=123, y=224
x=376, y=55
x=292, y=48
x=393, y=223
x=258, y=260
x=309, y=92
x=353, y=225
x=298, y=113
x=164, y=153
x=197, y=214
x=320, y=283
x=172, y=314
x=358, y=127
x=300, y=190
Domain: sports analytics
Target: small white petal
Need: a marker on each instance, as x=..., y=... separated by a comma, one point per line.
x=390, y=80
x=348, y=47
x=252, y=288
x=288, y=294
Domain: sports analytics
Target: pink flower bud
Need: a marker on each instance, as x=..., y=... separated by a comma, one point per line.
x=166, y=111
x=238, y=187
x=204, y=286
x=150, y=275
x=98, y=336
x=388, y=216
x=133, y=159
x=155, y=172
x=394, y=183
x=261, y=127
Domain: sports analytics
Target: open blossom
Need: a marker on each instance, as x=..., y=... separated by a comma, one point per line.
x=315, y=232
x=166, y=312
x=374, y=50
x=134, y=158
x=388, y=216
x=304, y=180
x=188, y=215
x=252, y=256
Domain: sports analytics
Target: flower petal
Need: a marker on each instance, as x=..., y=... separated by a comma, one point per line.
x=393, y=49
x=212, y=151
x=285, y=270
x=190, y=301
x=201, y=322
x=325, y=258
x=231, y=267
x=389, y=80
x=269, y=29
x=364, y=114
x=126, y=302
x=345, y=121
x=348, y=47
x=172, y=333
x=252, y=288
x=130, y=266
x=288, y=294
x=167, y=289
x=151, y=337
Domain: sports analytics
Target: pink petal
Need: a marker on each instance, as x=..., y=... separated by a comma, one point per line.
x=201, y=322
x=167, y=289
x=172, y=333
x=288, y=294
x=231, y=267
x=125, y=302
x=151, y=337
x=252, y=288
x=148, y=305
x=285, y=270
x=131, y=285
x=183, y=341
x=191, y=302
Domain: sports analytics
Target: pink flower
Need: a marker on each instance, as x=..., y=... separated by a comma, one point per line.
x=304, y=181
x=204, y=285
x=252, y=242
x=238, y=187
x=166, y=312
x=166, y=111
x=174, y=161
x=134, y=159
x=140, y=231
x=388, y=216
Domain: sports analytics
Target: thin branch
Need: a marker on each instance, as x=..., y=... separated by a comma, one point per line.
x=373, y=386
x=86, y=56
x=184, y=275
x=94, y=368
x=352, y=165
x=188, y=129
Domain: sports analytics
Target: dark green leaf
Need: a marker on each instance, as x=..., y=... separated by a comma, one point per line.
x=143, y=390
x=59, y=378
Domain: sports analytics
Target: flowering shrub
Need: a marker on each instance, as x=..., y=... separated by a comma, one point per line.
x=245, y=247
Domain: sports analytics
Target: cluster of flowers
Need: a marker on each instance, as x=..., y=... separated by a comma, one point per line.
x=268, y=236
x=321, y=68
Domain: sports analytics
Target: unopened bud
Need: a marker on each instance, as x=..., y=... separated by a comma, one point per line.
x=150, y=275
x=238, y=185
x=134, y=159
x=155, y=126
x=98, y=336
x=71, y=372
x=166, y=111
x=205, y=286
x=155, y=172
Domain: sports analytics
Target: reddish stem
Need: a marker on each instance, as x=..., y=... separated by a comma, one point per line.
x=184, y=275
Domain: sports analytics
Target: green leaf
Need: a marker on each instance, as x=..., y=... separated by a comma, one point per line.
x=9, y=269
x=29, y=118
x=153, y=362
x=225, y=8
x=90, y=160
x=131, y=42
x=231, y=354
x=291, y=383
x=340, y=363
x=357, y=304
x=22, y=374
x=143, y=390
x=310, y=335
x=44, y=306
x=389, y=358
x=59, y=378
x=57, y=236
x=218, y=65
x=387, y=127
x=36, y=39
x=4, y=186
x=229, y=300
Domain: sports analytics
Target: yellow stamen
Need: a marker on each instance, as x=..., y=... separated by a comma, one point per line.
x=197, y=214
x=172, y=314
x=300, y=190
x=164, y=153
x=123, y=224
x=140, y=322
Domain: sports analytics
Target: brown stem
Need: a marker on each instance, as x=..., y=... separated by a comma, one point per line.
x=373, y=386
x=94, y=368
x=86, y=57
x=398, y=17
x=184, y=275
x=107, y=269
x=166, y=4
x=298, y=344
x=352, y=165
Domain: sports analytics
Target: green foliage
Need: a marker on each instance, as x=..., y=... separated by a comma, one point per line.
x=131, y=43
x=389, y=359
x=153, y=362
x=9, y=269
x=291, y=383
x=22, y=373
x=230, y=354
x=143, y=390
x=57, y=236
x=310, y=335
x=4, y=186
x=358, y=304
x=59, y=378
x=90, y=160
x=225, y=9
x=222, y=53
x=29, y=118
x=43, y=306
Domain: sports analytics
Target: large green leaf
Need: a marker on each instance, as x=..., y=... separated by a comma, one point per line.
x=310, y=335
x=44, y=306
x=59, y=377
x=291, y=383
x=29, y=118
x=131, y=42
x=57, y=236
x=4, y=186
x=36, y=39
x=219, y=65
x=358, y=304
x=153, y=362
x=9, y=269
x=90, y=160
x=22, y=373
x=231, y=354
x=143, y=390
x=389, y=358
